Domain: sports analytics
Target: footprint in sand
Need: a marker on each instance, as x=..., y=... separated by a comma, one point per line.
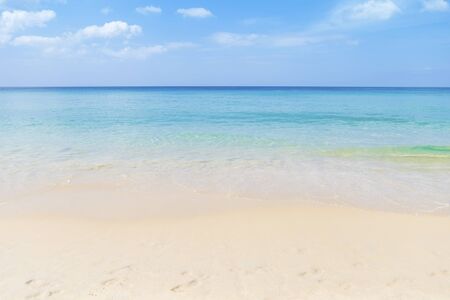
x=33, y=296
x=439, y=273
x=184, y=286
x=313, y=272
x=114, y=282
x=41, y=289
x=36, y=283
x=393, y=282
x=119, y=277
x=302, y=274
x=123, y=269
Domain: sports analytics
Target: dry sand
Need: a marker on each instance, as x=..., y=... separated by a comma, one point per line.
x=289, y=252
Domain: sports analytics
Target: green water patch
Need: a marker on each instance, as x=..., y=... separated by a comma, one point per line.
x=425, y=153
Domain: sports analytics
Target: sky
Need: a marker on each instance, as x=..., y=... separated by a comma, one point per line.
x=224, y=43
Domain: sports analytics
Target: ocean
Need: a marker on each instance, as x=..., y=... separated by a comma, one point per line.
x=381, y=148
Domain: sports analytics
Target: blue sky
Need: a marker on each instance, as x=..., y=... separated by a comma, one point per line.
x=183, y=42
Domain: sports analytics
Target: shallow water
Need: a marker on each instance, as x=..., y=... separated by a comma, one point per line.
x=371, y=147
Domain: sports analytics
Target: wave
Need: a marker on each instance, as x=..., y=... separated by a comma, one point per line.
x=423, y=152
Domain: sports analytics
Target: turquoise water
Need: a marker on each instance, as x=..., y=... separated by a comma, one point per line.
x=377, y=147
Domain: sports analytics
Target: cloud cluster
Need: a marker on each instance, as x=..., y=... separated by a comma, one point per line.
x=348, y=15
x=99, y=37
x=79, y=41
x=106, y=31
x=145, y=10
x=363, y=12
x=18, y=20
x=109, y=30
x=4, y=3
x=195, y=12
x=86, y=39
x=435, y=5
x=373, y=10
x=36, y=41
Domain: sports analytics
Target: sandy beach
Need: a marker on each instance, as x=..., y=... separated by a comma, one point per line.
x=287, y=252
x=225, y=150
x=224, y=193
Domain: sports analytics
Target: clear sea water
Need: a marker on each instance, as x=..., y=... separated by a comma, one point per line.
x=385, y=148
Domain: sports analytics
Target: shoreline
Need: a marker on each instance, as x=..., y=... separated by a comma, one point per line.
x=108, y=200
x=278, y=252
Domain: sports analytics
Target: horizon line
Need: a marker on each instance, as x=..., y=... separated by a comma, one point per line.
x=219, y=86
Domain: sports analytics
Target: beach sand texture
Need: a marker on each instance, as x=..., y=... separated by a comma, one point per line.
x=291, y=252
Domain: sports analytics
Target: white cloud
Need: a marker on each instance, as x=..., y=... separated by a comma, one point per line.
x=106, y=31
x=356, y=14
x=50, y=45
x=235, y=39
x=17, y=20
x=109, y=30
x=286, y=40
x=435, y=5
x=346, y=16
x=78, y=42
x=195, y=12
x=36, y=41
x=146, y=51
x=30, y=2
x=371, y=10
x=149, y=10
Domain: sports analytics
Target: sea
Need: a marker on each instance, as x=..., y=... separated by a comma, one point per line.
x=375, y=148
